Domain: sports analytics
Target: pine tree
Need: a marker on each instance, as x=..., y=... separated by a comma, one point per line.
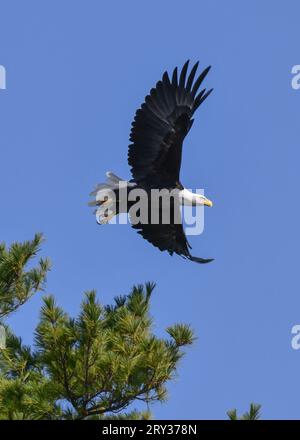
x=16, y=284
x=96, y=365
x=93, y=366
x=253, y=414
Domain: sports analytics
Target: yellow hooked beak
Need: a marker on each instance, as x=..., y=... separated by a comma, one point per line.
x=208, y=203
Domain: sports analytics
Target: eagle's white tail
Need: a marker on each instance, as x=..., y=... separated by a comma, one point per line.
x=106, y=195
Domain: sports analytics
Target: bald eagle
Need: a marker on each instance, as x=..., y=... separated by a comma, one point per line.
x=154, y=155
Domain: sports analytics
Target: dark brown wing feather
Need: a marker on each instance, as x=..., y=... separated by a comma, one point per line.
x=160, y=126
x=167, y=234
x=169, y=237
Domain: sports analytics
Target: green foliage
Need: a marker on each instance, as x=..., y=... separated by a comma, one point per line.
x=16, y=284
x=93, y=366
x=25, y=392
x=253, y=414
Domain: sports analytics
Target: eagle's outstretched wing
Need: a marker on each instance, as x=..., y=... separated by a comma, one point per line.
x=160, y=126
x=168, y=237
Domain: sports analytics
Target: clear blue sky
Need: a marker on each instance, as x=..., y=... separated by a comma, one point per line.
x=76, y=72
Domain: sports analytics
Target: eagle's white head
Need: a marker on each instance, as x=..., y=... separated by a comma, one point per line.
x=189, y=198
